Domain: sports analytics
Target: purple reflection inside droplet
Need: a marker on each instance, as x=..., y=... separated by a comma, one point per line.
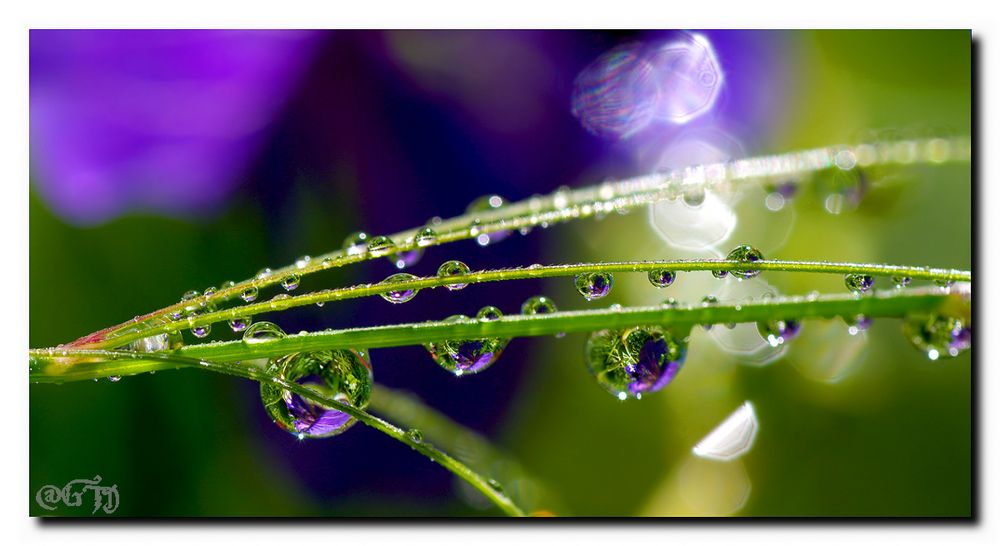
x=470, y=357
x=961, y=339
x=311, y=418
x=599, y=287
x=654, y=370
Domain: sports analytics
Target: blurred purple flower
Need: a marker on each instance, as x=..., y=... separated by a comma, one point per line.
x=157, y=121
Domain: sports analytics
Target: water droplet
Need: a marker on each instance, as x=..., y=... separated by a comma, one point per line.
x=694, y=196
x=344, y=375
x=466, y=356
x=227, y=285
x=291, y=281
x=662, y=278
x=249, y=294
x=489, y=314
x=670, y=303
x=381, y=246
x=402, y=295
x=777, y=332
x=239, y=324
x=406, y=258
x=861, y=323
x=450, y=269
x=745, y=253
x=356, y=244
x=190, y=295
x=709, y=301
x=209, y=291
x=426, y=237
x=901, y=282
x=720, y=274
x=303, y=261
x=538, y=305
x=201, y=331
x=263, y=331
x=114, y=378
x=944, y=285
x=593, y=286
x=415, y=436
x=495, y=485
x=938, y=336
x=859, y=283
x=264, y=273
x=636, y=360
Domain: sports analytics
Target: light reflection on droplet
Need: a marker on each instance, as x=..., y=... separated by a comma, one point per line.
x=732, y=438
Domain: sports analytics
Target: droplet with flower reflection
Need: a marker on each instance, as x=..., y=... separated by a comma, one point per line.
x=745, y=253
x=858, y=283
x=452, y=268
x=344, y=375
x=486, y=203
x=594, y=286
x=291, y=281
x=938, y=336
x=381, y=246
x=777, y=332
x=635, y=361
x=538, y=305
x=661, y=278
x=466, y=356
x=399, y=295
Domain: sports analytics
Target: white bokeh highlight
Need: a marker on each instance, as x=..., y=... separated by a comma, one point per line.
x=733, y=438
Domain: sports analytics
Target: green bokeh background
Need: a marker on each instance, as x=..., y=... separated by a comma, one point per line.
x=892, y=438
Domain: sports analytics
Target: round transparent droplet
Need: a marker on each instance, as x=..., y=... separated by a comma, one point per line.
x=249, y=294
x=415, y=436
x=858, y=283
x=260, y=332
x=426, y=237
x=401, y=295
x=489, y=314
x=745, y=253
x=901, y=281
x=190, y=295
x=452, y=268
x=466, y=356
x=291, y=281
x=538, y=305
x=593, y=286
x=343, y=375
x=662, y=278
x=778, y=332
x=381, y=246
x=938, y=336
x=201, y=331
x=635, y=361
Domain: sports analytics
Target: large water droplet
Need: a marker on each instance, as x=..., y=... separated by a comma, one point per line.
x=401, y=295
x=636, y=360
x=426, y=237
x=291, y=281
x=538, y=305
x=777, y=332
x=260, y=332
x=938, y=336
x=249, y=294
x=450, y=269
x=859, y=283
x=381, y=246
x=489, y=314
x=745, y=253
x=593, y=286
x=662, y=278
x=344, y=375
x=239, y=324
x=356, y=244
x=466, y=356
